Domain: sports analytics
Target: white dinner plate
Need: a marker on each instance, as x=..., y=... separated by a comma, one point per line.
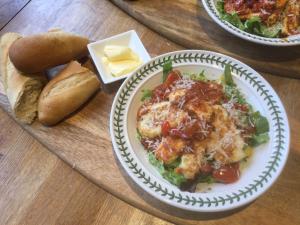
x=265, y=164
x=210, y=7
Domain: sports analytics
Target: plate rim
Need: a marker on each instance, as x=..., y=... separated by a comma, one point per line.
x=279, y=42
x=184, y=203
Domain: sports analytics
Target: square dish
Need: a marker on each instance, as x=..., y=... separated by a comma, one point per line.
x=130, y=39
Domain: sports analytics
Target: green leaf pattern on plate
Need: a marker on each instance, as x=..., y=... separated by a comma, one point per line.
x=211, y=7
x=182, y=198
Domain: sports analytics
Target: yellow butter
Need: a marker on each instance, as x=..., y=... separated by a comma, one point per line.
x=120, y=60
x=116, y=52
x=119, y=68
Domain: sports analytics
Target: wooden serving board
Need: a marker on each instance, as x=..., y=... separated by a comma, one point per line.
x=187, y=23
x=83, y=141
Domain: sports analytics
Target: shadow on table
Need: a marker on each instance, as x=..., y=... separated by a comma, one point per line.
x=173, y=211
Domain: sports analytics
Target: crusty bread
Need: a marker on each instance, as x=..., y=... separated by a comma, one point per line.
x=5, y=64
x=22, y=90
x=66, y=92
x=37, y=53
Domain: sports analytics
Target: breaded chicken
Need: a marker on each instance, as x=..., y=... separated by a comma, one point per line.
x=225, y=144
x=169, y=149
x=191, y=163
x=202, y=109
x=291, y=20
x=176, y=95
x=149, y=124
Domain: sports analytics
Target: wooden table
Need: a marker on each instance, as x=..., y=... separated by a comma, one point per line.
x=38, y=188
x=9, y=9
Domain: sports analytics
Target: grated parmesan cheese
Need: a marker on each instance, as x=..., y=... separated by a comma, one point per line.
x=183, y=83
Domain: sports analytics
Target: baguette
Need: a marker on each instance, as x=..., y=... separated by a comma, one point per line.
x=66, y=92
x=40, y=52
x=22, y=90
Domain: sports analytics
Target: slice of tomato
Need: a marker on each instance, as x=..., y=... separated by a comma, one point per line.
x=159, y=92
x=165, y=128
x=227, y=173
x=206, y=168
x=172, y=77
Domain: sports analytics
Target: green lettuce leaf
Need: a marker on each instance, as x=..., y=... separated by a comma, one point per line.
x=234, y=19
x=261, y=129
x=173, y=164
x=253, y=25
x=220, y=7
x=167, y=68
x=146, y=94
x=168, y=173
x=173, y=177
x=198, y=77
x=231, y=18
x=232, y=92
x=260, y=122
x=206, y=179
x=271, y=32
x=228, y=76
x=259, y=139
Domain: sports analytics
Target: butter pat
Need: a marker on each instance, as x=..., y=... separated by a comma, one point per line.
x=120, y=59
x=122, y=67
x=116, y=52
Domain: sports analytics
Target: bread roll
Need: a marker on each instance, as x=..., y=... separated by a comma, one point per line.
x=37, y=53
x=6, y=41
x=22, y=90
x=66, y=92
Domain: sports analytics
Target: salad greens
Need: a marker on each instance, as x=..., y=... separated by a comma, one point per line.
x=227, y=76
x=146, y=94
x=206, y=178
x=199, y=77
x=261, y=129
x=253, y=25
x=167, y=172
x=259, y=139
x=232, y=92
x=167, y=68
x=230, y=89
x=248, y=118
x=260, y=122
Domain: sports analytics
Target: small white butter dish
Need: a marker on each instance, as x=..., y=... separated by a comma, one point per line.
x=130, y=39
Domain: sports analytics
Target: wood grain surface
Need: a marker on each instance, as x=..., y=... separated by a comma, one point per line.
x=187, y=23
x=83, y=141
x=9, y=8
x=36, y=187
